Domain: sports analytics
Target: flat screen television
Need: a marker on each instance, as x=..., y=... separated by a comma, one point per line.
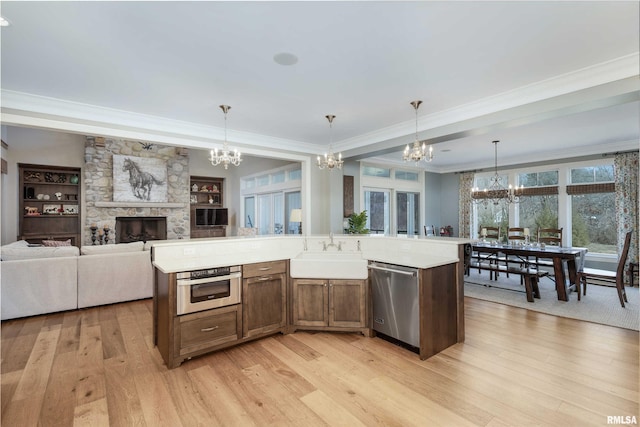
x=212, y=216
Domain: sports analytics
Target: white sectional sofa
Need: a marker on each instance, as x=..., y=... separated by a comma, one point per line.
x=114, y=273
x=38, y=280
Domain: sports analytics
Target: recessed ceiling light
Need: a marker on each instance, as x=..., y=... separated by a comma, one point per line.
x=4, y=22
x=285, y=58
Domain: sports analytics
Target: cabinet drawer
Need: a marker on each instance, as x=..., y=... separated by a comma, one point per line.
x=209, y=330
x=264, y=268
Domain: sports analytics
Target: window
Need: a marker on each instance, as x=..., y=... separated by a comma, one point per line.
x=408, y=213
x=407, y=175
x=538, y=207
x=378, y=210
x=376, y=171
x=490, y=215
x=593, y=217
x=392, y=199
x=594, y=222
x=578, y=197
x=269, y=197
x=592, y=174
x=540, y=211
x=538, y=179
x=249, y=212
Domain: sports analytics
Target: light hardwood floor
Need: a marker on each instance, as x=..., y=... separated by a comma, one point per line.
x=98, y=366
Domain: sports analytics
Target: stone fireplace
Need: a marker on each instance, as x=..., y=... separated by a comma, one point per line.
x=140, y=229
x=98, y=200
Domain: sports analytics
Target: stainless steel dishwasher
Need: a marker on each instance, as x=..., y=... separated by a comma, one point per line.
x=396, y=309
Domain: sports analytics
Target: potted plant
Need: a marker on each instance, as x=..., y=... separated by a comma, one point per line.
x=357, y=223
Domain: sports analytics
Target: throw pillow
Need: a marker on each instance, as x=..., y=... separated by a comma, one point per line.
x=56, y=243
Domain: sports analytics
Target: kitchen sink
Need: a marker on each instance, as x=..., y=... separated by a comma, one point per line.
x=329, y=265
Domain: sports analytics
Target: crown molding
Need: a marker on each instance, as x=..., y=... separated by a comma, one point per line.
x=596, y=75
x=90, y=119
x=23, y=109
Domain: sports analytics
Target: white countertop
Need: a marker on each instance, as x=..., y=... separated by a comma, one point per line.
x=183, y=255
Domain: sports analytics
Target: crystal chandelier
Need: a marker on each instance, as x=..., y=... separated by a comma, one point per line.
x=496, y=193
x=330, y=161
x=225, y=157
x=417, y=152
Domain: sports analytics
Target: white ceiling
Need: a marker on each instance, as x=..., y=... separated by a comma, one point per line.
x=548, y=79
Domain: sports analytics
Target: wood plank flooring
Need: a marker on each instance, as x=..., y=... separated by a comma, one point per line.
x=98, y=367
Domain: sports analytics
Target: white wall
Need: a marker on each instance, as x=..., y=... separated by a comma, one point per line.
x=33, y=146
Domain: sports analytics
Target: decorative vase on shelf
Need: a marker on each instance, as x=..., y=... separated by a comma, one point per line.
x=194, y=187
x=73, y=179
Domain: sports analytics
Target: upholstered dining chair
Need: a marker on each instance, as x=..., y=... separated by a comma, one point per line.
x=616, y=277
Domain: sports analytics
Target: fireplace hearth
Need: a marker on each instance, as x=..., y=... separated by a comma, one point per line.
x=140, y=229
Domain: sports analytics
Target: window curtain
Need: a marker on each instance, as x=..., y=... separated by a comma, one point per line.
x=626, y=179
x=464, y=221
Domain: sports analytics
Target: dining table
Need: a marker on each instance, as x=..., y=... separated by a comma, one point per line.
x=567, y=261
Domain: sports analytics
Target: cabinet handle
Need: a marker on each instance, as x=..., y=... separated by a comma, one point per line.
x=263, y=278
x=213, y=328
x=264, y=268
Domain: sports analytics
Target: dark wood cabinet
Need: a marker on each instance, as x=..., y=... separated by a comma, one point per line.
x=49, y=203
x=264, y=288
x=179, y=338
x=330, y=304
x=205, y=193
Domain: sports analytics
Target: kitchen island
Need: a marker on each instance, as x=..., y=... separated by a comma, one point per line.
x=268, y=301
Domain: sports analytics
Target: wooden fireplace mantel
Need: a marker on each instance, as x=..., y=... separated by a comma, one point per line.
x=139, y=205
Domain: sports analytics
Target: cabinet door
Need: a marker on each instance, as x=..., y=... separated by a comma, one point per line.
x=207, y=329
x=310, y=302
x=264, y=304
x=347, y=303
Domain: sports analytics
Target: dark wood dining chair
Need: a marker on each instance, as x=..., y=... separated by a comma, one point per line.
x=616, y=277
x=550, y=236
x=515, y=234
x=493, y=233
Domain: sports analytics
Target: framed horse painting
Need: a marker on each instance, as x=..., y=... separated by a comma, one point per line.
x=139, y=179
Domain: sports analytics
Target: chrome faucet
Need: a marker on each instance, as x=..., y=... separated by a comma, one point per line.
x=330, y=244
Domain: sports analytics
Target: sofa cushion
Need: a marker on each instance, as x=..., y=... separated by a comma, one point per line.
x=19, y=253
x=106, y=249
x=56, y=243
x=17, y=244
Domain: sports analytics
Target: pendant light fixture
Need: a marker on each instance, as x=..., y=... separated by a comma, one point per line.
x=417, y=152
x=496, y=193
x=225, y=157
x=330, y=161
